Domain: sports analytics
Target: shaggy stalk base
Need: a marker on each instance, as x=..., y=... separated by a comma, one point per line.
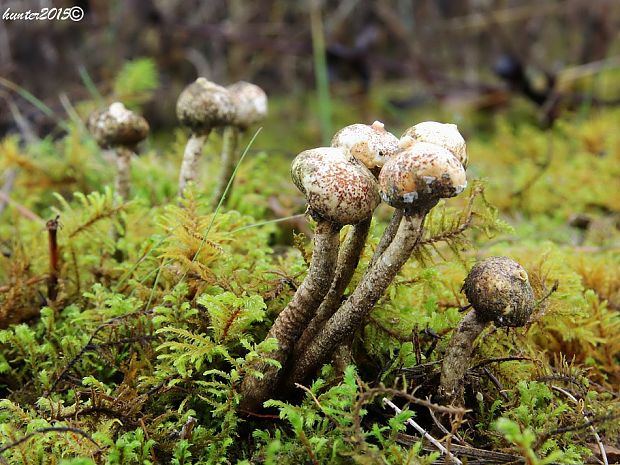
x=348, y=259
x=457, y=359
x=229, y=159
x=189, y=167
x=368, y=292
x=293, y=319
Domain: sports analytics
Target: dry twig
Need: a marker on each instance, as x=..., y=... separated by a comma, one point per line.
x=597, y=438
x=424, y=433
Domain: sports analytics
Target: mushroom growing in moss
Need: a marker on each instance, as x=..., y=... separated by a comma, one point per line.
x=413, y=180
x=445, y=135
x=121, y=129
x=339, y=191
x=250, y=103
x=499, y=292
x=372, y=145
x=202, y=106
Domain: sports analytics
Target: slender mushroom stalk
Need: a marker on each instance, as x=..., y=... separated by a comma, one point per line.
x=413, y=180
x=339, y=191
x=388, y=236
x=499, y=291
x=250, y=102
x=121, y=129
x=372, y=145
x=202, y=106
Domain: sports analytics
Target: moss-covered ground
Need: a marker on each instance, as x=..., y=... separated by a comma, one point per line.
x=142, y=333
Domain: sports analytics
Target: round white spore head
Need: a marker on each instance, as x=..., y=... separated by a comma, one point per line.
x=419, y=175
x=499, y=290
x=338, y=188
x=116, y=125
x=446, y=135
x=250, y=102
x=204, y=105
x=369, y=143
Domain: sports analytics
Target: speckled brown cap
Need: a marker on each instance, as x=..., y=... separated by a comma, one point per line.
x=419, y=175
x=204, y=105
x=338, y=188
x=499, y=290
x=250, y=102
x=444, y=134
x=117, y=125
x=369, y=143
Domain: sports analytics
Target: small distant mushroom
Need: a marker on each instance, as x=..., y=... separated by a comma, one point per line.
x=499, y=291
x=202, y=106
x=339, y=191
x=413, y=180
x=250, y=102
x=446, y=135
x=372, y=145
x=121, y=129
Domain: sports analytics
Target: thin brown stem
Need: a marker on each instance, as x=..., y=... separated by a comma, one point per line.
x=293, y=319
x=424, y=433
x=368, y=292
x=52, y=280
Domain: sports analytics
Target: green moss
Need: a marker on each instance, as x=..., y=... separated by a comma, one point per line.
x=131, y=349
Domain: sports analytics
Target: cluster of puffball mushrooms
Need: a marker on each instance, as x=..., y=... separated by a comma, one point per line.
x=202, y=107
x=343, y=184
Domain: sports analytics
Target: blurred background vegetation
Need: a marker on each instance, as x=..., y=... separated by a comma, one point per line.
x=465, y=60
x=532, y=85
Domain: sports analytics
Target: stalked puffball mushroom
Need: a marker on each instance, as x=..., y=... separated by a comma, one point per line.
x=414, y=189
x=412, y=180
x=499, y=292
x=446, y=135
x=250, y=103
x=419, y=175
x=339, y=191
x=202, y=106
x=120, y=129
x=369, y=143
